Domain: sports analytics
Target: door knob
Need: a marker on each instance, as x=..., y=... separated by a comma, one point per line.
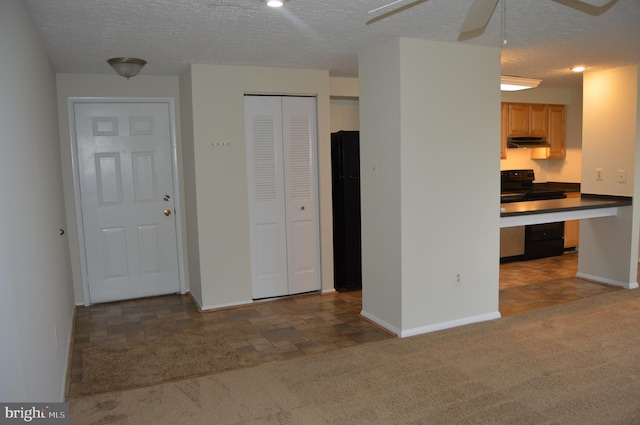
x=167, y=212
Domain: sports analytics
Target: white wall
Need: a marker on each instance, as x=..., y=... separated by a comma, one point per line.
x=380, y=183
x=108, y=85
x=567, y=169
x=610, y=129
x=611, y=141
x=220, y=173
x=344, y=104
x=37, y=299
x=189, y=180
x=430, y=113
x=341, y=87
x=345, y=114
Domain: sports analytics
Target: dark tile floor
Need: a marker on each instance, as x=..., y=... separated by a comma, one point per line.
x=528, y=285
x=264, y=331
x=296, y=326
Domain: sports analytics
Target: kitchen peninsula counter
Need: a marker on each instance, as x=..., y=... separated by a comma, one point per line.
x=551, y=210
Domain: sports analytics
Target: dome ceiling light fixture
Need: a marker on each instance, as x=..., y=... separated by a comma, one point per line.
x=579, y=68
x=127, y=67
x=511, y=83
x=275, y=3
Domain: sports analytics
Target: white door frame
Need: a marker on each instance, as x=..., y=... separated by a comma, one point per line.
x=71, y=102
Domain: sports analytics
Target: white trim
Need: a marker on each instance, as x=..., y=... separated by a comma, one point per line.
x=67, y=363
x=222, y=306
x=71, y=102
x=432, y=328
x=386, y=325
x=627, y=285
x=332, y=290
x=451, y=324
x=551, y=217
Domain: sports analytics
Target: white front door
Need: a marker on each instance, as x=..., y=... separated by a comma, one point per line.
x=127, y=199
x=282, y=174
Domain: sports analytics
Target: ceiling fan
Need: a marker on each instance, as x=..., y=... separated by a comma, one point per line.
x=481, y=10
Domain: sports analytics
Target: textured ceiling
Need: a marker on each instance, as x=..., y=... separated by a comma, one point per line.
x=544, y=37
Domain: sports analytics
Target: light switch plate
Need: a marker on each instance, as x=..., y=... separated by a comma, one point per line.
x=622, y=176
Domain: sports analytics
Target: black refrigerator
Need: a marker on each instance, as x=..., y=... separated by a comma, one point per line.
x=347, y=248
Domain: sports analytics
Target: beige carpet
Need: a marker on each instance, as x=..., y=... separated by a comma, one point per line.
x=576, y=363
x=118, y=367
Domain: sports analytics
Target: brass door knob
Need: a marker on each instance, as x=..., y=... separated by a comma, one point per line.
x=167, y=212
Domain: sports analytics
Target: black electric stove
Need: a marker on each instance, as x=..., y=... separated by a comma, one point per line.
x=540, y=240
x=518, y=186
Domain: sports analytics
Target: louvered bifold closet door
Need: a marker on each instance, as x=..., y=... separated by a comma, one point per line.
x=300, y=141
x=265, y=172
x=282, y=176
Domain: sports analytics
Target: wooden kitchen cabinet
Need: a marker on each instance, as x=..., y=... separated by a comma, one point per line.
x=572, y=227
x=504, y=129
x=525, y=119
x=555, y=135
x=533, y=119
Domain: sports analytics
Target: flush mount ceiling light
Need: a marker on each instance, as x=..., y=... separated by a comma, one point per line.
x=509, y=83
x=127, y=67
x=579, y=68
x=275, y=3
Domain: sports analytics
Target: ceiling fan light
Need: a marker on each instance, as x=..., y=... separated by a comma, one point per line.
x=127, y=67
x=510, y=83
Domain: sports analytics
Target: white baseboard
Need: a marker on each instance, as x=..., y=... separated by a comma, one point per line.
x=380, y=322
x=451, y=324
x=432, y=328
x=626, y=285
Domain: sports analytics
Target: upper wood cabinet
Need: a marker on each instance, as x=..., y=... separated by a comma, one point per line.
x=556, y=131
x=534, y=119
x=555, y=135
x=504, y=129
x=539, y=120
x=527, y=119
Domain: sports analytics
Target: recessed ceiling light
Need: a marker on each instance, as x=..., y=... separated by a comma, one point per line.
x=579, y=68
x=274, y=3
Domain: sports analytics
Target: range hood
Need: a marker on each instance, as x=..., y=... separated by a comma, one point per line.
x=527, y=142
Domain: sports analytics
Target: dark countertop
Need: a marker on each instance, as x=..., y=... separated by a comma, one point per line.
x=584, y=202
x=565, y=187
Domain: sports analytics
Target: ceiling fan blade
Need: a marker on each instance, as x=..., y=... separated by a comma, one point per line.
x=477, y=19
x=394, y=11
x=596, y=3
x=591, y=7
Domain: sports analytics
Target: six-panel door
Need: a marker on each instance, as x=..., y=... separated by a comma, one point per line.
x=127, y=200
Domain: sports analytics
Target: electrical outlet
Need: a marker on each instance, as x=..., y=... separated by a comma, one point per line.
x=622, y=176
x=599, y=174
x=458, y=278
